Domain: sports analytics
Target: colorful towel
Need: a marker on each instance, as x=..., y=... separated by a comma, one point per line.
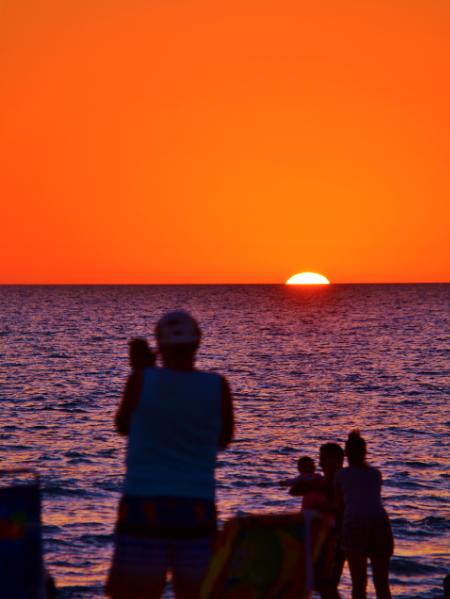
x=267, y=557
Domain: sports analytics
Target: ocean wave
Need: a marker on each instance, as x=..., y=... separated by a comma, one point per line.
x=63, y=490
x=98, y=540
x=80, y=591
x=412, y=567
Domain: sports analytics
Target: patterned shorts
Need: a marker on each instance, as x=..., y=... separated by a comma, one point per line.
x=158, y=535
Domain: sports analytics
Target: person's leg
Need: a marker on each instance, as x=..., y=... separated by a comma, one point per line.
x=189, y=563
x=188, y=589
x=338, y=565
x=154, y=590
x=358, y=570
x=147, y=596
x=380, y=573
x=329, y=592
x=327, y=586
x=139, y=568
x=328, y=567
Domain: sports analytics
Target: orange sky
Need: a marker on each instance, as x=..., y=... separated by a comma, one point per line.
x=147, y=141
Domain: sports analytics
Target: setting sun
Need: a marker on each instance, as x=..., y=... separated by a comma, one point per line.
x=307, y=278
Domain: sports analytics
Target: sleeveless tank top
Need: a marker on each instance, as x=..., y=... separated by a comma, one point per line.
x=174, y=434
x=361, y=491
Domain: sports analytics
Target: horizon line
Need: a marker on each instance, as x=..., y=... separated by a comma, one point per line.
x=124, y=284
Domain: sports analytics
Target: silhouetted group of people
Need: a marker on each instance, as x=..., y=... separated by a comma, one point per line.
x=361, y=526
x=177, y=418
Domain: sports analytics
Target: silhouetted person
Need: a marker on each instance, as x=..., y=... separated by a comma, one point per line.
x=312, y=498
x=331, y=459
x=366, y=531
x=305, y=466
x=176, y=418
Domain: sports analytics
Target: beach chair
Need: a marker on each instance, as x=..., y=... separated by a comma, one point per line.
x=267, y=557
x=21, y=565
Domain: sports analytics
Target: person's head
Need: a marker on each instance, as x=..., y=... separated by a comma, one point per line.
x=305, y=465
x=355, y=449
x=178, y=338
x=141, y=356
x=331, y=458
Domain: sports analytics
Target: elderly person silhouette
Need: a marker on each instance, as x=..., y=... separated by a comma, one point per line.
x=177, y=418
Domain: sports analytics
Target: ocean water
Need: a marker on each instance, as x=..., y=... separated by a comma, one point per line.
x=306, y=365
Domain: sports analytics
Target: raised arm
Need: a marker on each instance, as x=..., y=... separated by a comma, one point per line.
x=130, y=399
x=227, y=432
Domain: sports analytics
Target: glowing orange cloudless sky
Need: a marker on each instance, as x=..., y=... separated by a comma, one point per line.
x=183, y=141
